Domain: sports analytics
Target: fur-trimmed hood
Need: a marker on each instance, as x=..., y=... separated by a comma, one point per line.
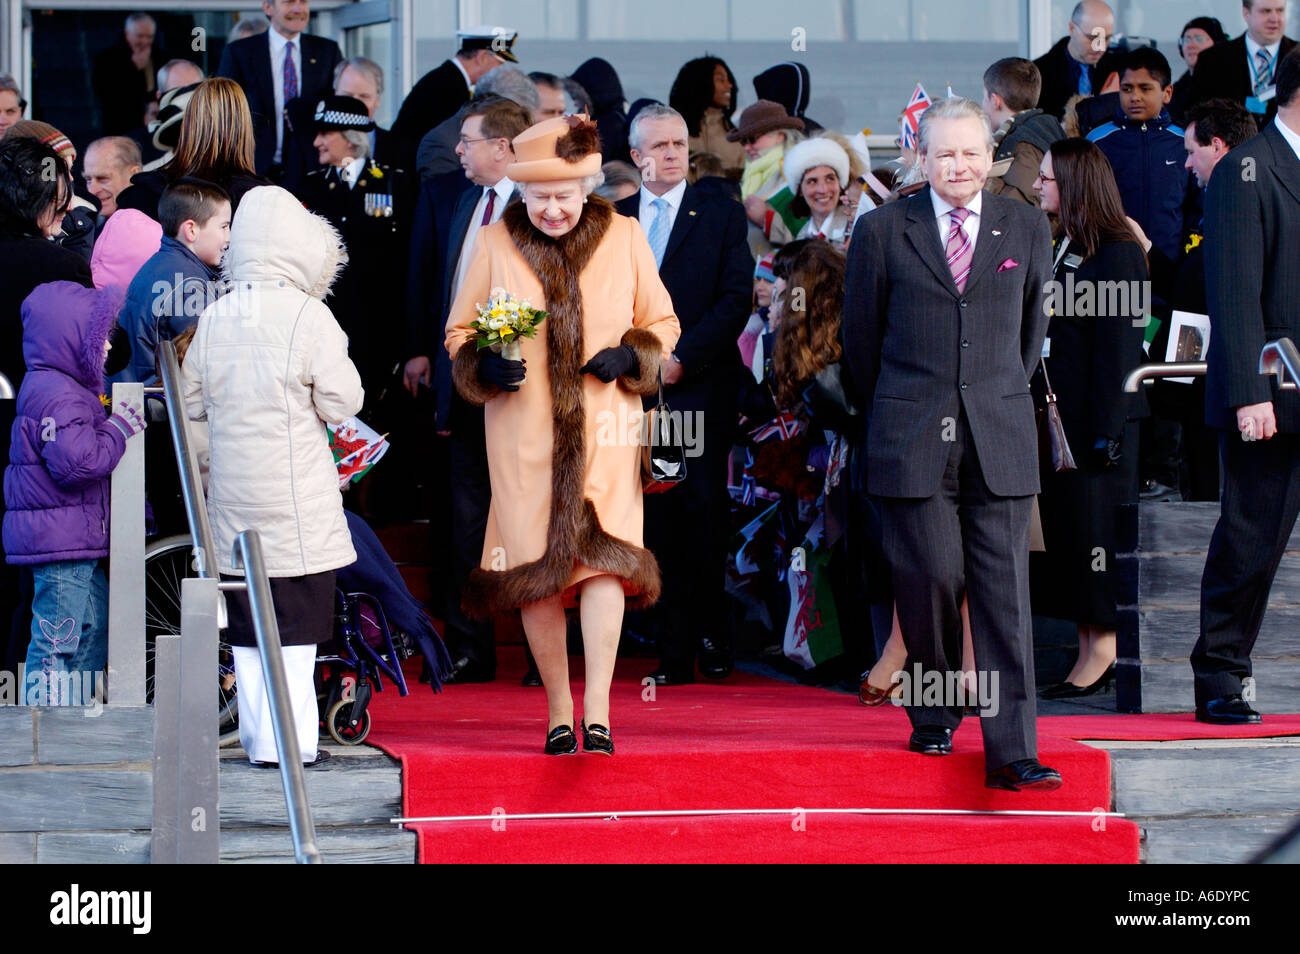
x=65, y=326
x=273, y=238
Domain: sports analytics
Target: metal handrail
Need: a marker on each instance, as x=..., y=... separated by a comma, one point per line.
x=1162, y=369
x=1280, y=357
x=196, y=510
x=248, y=556
x=6, y=389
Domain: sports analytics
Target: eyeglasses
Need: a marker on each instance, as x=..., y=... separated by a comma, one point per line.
x=465, y=140
x=1043, y=178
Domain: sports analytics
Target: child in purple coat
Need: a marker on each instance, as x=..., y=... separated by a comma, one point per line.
x=63, y=449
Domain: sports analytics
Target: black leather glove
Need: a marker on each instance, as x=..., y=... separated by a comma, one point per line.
x=1105, y=453
x=610, y=363
x=498, y=372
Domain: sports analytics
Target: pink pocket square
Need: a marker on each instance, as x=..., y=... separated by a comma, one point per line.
x=1008, y=265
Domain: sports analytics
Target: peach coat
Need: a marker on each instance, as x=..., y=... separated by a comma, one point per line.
x=566, y=486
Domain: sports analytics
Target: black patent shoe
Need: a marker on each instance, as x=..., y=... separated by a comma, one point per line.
x=1068, y=690
x=596, y=738
x=1022, y=775
x=561, y=741
x=1227, y=710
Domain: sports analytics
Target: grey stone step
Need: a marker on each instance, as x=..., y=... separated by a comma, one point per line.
x=42, y=798
x=93, y=848
x=17, y=738
x=1170, y=634
x=1173, y=581
x=350, y=789
x=342, y=845
x=1183, y=527
x=1239, y=778
x=1210, y=840
x=1167, y=686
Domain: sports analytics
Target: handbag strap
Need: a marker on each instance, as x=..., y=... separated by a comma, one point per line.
x=1047, y=382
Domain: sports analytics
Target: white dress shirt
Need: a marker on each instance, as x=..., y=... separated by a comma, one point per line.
x=1291, y=136
x=278, y=44
x=647, y=212
x=504, y=189
x=943, y=212
x=351, y=172
x=465, y=73
x=1252, y=58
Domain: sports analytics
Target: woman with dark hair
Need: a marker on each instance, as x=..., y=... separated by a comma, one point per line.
x=1094, y=340
x=704, y=92
x=1198, y=35
x=35, y=193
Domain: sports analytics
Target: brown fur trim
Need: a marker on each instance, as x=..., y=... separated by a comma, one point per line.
x=579, y=142
x=574, y=534
x=464, y=374
x=649, y=353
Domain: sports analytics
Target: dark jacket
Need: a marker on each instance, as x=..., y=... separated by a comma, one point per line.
x=121, y=89
x=25, y=262
x=1225, y=70
x=1149, y=162
x=920, y=352
x=602, y=84
x=437, y=96
x=146, y=190
x=1252, y=227
x=789, y=84
x=64, y=447
x=436, y=154
x=167, y=295
x=1031, y=133
x=1059, y=81
x=248, y=63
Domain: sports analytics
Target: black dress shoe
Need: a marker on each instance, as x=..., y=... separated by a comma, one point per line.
x=1069, y=690
x=1227, y=710
x=715, y=661
x=322, y=755
x=1024, y=774
x=532, y=678
x=931, y=740
x=672, y=676
x=561, y=741
x=596, y=738
x=465, y=670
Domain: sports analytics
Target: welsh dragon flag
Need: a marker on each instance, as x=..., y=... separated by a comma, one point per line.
x=812, y=630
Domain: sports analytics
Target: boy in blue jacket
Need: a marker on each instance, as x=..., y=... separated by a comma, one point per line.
x=183, y=277
x=1146, y=150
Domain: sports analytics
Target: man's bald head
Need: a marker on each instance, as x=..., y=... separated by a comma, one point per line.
x=108, y=167
x=1092, y=24
x=177, y=73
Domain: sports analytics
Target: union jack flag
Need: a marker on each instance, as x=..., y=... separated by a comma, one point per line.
x=784, y=425
x=918, y=104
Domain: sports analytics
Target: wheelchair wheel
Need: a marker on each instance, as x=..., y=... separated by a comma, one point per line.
x=168, y=561
x=342, y=728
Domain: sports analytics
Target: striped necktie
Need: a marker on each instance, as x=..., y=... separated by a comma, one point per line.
x=658, y=234
x=959, y=250
x=1263, y=71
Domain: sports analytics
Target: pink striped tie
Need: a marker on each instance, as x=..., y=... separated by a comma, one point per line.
x=959, y=250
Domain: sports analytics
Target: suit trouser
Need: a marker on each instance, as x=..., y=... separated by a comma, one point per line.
x=1261, y=498
x=965, y=540
x=686, y=528
x=471, y=495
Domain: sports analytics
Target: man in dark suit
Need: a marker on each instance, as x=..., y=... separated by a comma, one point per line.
x=1252, y=229
x=1078, y=63
x=944, y=320
x=273, y=68
x=700, y=242
x=1244, y=70
x=448, y=216
x=443, y=90
x=124, y=76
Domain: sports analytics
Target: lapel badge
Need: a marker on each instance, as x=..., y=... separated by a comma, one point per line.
x=691, y=212
x=996, y=232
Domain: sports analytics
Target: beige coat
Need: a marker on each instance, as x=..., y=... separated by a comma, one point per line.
x=566, y=488
x=713, y=138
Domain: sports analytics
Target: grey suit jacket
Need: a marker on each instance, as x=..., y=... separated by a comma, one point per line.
x=919, y=350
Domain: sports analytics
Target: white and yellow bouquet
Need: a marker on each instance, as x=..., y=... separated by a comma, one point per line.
x=503, y=321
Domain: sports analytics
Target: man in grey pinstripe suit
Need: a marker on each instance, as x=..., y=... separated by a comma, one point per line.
x=944, y=320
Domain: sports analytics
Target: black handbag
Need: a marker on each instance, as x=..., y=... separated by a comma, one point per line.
x=1052, y=444
x=663, y=452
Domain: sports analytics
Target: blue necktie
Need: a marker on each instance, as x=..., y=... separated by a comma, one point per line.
x=1263, y=71
x=1085, y=80
x=658, y=234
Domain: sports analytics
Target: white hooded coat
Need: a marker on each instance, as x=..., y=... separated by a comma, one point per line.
x=267, y=369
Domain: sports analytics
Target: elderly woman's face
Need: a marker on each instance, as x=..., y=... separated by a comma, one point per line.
x=554, y=207
x=332, y=149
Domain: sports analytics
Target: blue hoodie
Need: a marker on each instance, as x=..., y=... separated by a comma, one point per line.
x=1149, y=162
x=166, y=296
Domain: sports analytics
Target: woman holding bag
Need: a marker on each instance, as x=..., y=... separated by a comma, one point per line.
x=1095, y=339
x=565, y=522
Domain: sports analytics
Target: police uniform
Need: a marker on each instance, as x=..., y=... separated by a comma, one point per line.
x=370, y=204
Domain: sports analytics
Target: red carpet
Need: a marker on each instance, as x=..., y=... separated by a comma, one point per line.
x=1161, y=727
x=746, y=743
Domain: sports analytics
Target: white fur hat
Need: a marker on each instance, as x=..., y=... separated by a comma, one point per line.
x=812, y=153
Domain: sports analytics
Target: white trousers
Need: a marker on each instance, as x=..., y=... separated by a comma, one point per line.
x=256, y=731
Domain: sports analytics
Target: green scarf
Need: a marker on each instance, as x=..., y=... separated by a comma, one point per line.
x=758, y=171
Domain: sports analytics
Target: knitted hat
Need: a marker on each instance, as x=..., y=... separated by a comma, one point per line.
x=763, y=269
x=812, y=153
x=566, y=147
x=338, y=113
x=166, y=129
x=764, y=116
x=35, y=129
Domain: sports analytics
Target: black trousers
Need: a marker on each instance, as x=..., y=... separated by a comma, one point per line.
x=687, y=527
x=1261, y=498
x=471, y=495
x=967, y=541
